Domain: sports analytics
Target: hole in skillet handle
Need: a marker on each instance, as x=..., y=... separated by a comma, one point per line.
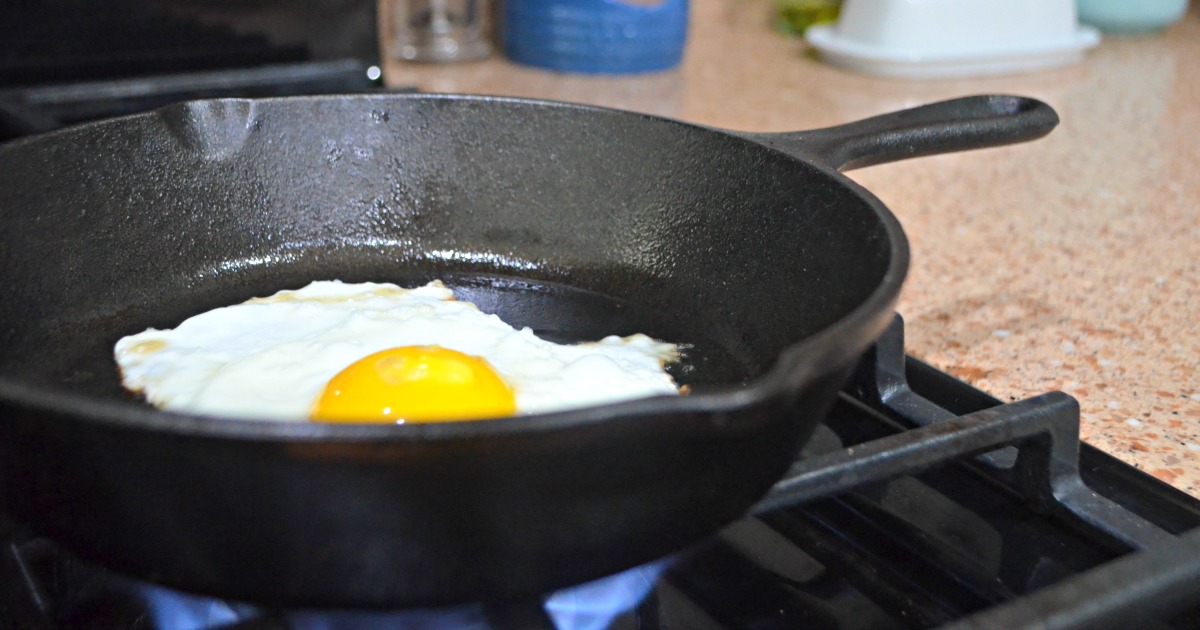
x=972, y=122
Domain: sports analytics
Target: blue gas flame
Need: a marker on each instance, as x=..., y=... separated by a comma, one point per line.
x=590, y=606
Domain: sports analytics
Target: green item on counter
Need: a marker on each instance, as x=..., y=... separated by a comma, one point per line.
x=795, y=16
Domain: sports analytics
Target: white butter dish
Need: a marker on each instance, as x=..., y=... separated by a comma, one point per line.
x=926, y=39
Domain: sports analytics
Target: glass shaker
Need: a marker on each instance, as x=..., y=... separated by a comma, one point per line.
x=439, y=30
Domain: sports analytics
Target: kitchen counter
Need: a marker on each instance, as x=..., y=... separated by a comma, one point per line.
x=1069, y=263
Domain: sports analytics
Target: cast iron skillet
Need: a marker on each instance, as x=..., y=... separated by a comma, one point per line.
x=577, y=221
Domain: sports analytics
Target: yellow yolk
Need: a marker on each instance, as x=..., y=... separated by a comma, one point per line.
x=415, y=384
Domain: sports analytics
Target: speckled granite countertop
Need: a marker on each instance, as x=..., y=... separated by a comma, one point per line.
x=1069, y=263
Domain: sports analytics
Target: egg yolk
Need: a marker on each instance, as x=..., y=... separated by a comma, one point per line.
x=415, y=384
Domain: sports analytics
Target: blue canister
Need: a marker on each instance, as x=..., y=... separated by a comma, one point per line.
x=595, y=36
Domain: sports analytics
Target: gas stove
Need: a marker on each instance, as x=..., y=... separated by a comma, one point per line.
x=921, y=502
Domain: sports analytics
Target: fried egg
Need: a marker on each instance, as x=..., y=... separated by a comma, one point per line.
x=375, y=352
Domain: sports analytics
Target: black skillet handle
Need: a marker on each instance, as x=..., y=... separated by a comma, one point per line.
x=973, y=122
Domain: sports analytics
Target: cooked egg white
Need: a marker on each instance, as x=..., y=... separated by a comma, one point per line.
x=370, y=352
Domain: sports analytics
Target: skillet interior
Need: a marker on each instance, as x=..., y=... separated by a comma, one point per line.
x=576, y=221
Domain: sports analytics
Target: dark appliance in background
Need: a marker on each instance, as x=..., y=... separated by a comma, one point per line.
x=69, y=61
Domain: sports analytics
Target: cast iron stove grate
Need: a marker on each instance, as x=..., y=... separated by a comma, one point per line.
x=922, y=502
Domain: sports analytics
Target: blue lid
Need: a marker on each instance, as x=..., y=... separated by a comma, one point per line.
x=595, y=36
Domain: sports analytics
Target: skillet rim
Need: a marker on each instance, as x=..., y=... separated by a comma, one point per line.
x=797, y=362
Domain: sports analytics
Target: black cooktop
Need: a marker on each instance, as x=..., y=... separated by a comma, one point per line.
x=922, y=502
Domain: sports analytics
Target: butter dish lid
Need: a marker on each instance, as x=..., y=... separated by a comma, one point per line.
x=929, y=39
